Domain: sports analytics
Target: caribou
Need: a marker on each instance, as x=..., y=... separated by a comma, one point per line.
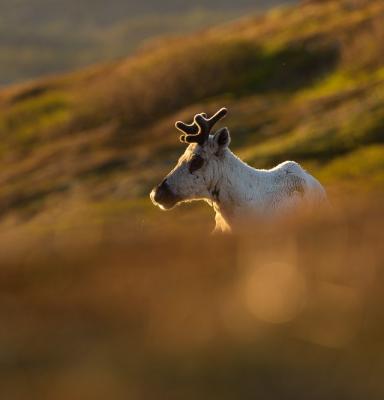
x=208, y=170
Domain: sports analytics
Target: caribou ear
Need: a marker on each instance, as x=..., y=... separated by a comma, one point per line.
x=222, y=138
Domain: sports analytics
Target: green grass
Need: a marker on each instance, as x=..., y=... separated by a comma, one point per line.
x=30, y=121
x=363, y=167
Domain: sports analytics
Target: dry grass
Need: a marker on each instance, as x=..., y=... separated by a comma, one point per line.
x=123, y=311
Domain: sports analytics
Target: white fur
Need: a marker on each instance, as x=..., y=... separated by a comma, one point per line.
x=239, y=192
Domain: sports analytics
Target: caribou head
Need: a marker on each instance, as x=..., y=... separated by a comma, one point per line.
x=196, y=173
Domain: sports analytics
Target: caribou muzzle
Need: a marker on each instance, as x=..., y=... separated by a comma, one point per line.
x=163, y=196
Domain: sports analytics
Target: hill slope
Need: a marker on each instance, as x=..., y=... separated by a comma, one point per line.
x=48, y=36
x=305, y=83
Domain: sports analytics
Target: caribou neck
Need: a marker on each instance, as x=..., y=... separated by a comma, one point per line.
x=234, y=187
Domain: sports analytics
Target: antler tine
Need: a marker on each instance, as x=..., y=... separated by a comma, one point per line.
x=204, y=128
x=217, y=117
x=205, y=125
x=199, y=130
x=188, y=129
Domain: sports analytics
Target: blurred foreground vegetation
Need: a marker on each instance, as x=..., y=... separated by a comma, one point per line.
x=292, y=311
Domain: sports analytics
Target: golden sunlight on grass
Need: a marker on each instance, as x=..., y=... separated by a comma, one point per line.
x=106, y=311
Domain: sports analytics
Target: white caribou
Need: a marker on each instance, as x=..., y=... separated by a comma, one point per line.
x=208, y=170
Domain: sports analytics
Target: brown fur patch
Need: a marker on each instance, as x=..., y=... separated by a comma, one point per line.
x=295, y=184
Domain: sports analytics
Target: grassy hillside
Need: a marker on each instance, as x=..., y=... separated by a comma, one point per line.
x=39, y=37
x=305, y=83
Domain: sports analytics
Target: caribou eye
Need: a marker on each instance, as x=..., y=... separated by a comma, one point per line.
x=196, y=163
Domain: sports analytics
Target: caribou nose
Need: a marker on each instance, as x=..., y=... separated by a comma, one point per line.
x=162, y=191
x=162, y=195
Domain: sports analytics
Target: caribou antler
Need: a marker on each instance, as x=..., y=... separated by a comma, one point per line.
x=199, y=130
